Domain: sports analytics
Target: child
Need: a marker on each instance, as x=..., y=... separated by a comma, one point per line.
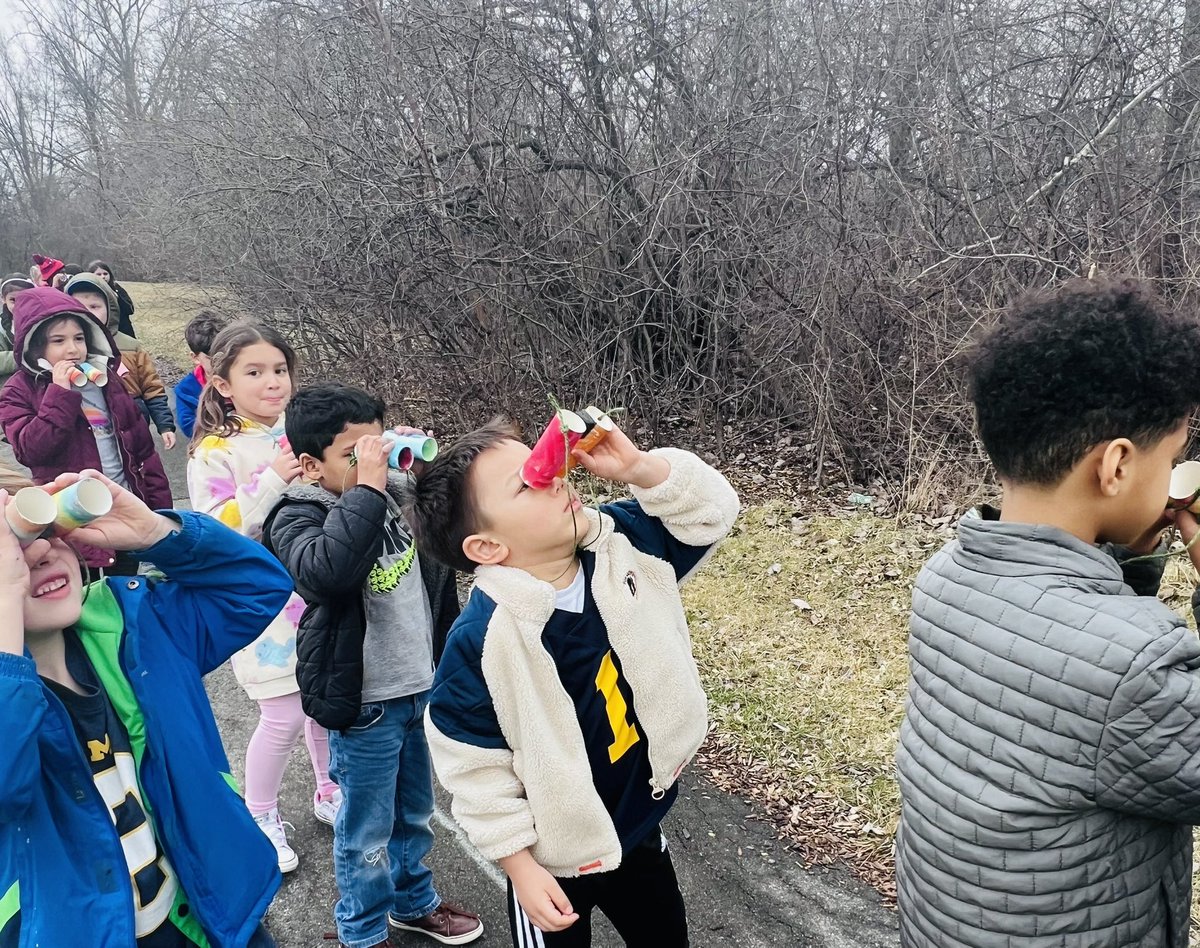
x=237, y=472
x=366, y=653
x=568, y=701
x=121, y=823
x=124, y=300
x=137, y=371
x=54, y=426
x=200, y=332
x=1049, y=758
x=44, y=270
x=10, y=288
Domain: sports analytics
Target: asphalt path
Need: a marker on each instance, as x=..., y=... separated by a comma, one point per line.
x=741, y=885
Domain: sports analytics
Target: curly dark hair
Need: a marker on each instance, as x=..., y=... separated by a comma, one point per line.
x=441, y=509
x=1070, y=368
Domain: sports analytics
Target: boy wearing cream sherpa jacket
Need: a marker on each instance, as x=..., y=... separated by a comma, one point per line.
x=567, y=701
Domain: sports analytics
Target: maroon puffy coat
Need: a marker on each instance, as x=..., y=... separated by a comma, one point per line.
x=45, y=424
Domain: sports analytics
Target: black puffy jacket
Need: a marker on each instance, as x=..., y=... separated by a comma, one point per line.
x=329, y=544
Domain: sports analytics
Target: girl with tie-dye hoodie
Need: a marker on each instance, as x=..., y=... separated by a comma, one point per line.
x=239, y=467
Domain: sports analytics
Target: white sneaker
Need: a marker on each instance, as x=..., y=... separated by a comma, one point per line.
x=272, y=827
x=326, y=811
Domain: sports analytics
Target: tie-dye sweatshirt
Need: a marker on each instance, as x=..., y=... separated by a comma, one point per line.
x=231, y=479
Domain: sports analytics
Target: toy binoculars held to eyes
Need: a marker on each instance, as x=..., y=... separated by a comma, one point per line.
x=407, y=448
x=79, y=375
x=33, y=511
x=566, y=430
x=1184, y=492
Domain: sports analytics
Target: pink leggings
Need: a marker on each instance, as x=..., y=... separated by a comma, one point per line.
x=279, y=725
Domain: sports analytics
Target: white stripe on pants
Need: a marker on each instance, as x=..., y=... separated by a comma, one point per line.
x=528, y=934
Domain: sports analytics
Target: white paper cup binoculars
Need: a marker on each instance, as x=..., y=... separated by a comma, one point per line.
x=1184, y=492
x=32, y=511
x=408, y=448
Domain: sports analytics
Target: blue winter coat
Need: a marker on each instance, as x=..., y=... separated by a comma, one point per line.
x=63, y=876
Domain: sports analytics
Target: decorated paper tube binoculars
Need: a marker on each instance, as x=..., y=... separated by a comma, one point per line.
x=79, y=375
x=1184, y=492
x=566, y=430
x=33, y=511
x=406, y=448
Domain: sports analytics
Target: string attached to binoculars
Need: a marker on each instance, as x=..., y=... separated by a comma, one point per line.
x=1165, y=554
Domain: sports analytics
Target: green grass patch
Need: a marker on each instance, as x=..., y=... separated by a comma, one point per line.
x=163, y=309
x=800, y=629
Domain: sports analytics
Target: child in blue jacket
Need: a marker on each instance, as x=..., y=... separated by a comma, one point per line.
x=122, y=825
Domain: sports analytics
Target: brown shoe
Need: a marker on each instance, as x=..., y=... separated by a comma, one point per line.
x=447, y=923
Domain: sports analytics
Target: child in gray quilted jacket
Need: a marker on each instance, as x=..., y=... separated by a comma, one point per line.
x=1049, y=759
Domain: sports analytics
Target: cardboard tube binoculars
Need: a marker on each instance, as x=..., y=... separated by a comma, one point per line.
x=566, y=430
x=32, y=511
x=79, y=375
x=407, y=448
x=1184, y=492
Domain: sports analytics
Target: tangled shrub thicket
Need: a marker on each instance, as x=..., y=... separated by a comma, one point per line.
x=766, y=216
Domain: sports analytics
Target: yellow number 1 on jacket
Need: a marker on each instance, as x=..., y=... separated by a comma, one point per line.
x=625, y=735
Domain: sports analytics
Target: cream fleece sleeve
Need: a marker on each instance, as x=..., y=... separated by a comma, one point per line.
x=695, y=503
x=487, y=799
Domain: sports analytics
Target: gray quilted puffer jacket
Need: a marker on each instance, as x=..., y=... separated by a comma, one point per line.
x=1049, y=759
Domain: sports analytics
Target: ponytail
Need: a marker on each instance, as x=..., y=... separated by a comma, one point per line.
x=215, y=413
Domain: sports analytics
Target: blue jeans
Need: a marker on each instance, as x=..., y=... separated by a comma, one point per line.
x=382, y=835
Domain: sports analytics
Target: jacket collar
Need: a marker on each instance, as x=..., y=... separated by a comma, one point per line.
x=1001, y=548
x=524, y=596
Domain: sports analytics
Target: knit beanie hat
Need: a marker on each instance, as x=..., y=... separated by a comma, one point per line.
x=48, y=266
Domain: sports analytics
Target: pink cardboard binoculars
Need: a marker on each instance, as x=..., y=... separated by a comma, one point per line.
x=34, y=511
x=566, y=430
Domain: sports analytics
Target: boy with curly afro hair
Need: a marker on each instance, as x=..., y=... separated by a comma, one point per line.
x=1049, y=758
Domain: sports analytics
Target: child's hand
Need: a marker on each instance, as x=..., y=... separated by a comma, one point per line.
x=130, y=525
x=1188, y=526
x=418, y=464
x=14, y=571
x=616, y=458
x=14, y=582
x=168, y=439
x=539, y=893
x=61, y=373
x=286, y=466
x=371, y=452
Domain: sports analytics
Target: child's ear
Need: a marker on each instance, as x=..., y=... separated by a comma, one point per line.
x=484, y=550
x=312, y=467
x=221, y=385
x=1114, y=465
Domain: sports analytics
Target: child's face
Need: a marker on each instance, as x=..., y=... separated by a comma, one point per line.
x=259, y=384
x=95, y=304
x=533, y=526
x=10, y=298
x=335, y=472
x=103, y=274
x=65, y=340
x=201, y=359
x=1147, y=480
x=55, y=587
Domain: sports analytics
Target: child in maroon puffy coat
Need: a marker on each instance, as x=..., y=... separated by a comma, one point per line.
x=55, y=425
